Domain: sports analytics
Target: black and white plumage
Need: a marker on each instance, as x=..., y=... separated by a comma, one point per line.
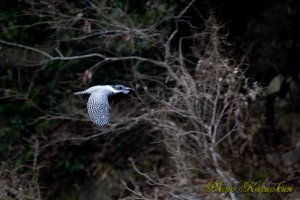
x=98, y=105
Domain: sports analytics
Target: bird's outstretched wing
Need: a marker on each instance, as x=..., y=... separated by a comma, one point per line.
x=98, y=109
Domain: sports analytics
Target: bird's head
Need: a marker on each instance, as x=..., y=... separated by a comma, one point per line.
x=120, y=88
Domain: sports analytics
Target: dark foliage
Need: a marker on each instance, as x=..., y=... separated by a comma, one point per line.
x=47, y=140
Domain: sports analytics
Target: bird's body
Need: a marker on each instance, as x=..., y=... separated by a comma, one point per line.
x=98, y=105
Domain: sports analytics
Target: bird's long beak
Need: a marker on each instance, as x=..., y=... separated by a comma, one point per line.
x=128, y=88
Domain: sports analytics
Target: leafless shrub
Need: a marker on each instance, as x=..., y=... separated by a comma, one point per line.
x=198, y=115
x=15, y=185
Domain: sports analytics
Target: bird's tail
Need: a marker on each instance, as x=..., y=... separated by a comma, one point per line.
x=80, y=93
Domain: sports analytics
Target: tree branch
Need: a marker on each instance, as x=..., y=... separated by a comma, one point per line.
x=98, y=55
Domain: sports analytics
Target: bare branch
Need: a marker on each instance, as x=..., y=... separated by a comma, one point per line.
x=66, y=58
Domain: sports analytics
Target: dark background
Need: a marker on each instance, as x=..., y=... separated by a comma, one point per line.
x=264, y=34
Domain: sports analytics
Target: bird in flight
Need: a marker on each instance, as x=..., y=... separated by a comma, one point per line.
x=98, y=105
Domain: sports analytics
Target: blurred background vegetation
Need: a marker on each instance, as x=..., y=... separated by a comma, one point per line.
x=50, y=150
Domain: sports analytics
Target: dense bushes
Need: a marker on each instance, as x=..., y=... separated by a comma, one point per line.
x=195, y=115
